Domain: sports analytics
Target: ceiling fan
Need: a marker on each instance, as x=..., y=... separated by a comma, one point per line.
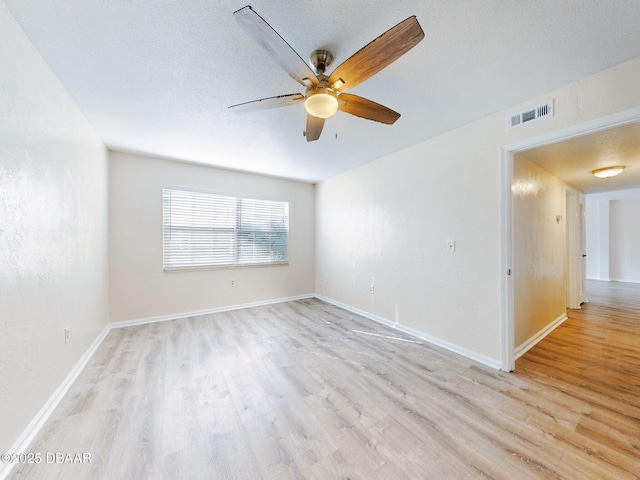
x=324, y=94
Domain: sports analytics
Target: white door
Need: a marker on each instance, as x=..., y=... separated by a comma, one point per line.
x=582, y=232
x=573, y=249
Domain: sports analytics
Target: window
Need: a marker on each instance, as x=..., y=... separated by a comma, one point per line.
x=202, y=230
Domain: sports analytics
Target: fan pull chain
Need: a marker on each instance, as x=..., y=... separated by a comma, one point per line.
x=336, y=117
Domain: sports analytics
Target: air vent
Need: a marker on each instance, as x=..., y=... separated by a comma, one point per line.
x=541, y=111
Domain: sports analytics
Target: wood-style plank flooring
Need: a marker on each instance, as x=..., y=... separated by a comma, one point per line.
x=306, y=390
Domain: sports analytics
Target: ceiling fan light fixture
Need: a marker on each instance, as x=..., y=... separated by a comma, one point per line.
x=322, y=91
x=321, y=102
x=607, y=172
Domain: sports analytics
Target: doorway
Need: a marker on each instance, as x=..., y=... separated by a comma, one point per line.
x=508, y=326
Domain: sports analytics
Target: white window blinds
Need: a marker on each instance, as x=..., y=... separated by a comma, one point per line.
x=203, y=230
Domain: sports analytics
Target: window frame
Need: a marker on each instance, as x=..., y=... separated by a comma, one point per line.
x=193, y=258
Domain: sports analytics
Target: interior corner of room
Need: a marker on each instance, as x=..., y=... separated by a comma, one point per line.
x=477, y=239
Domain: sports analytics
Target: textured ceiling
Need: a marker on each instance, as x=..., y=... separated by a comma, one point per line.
x=573, y=160
x=157, y=76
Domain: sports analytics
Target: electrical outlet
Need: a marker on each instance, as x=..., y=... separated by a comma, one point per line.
x=371, y=289
x=233, y=283
x=67, y=334
x=451, y=245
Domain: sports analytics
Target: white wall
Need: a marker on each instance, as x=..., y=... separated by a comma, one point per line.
x=613, y=236
x=138, y=286
x=53, y=232
x=625, y=240
x=390, y=220
x=539, y=248
x=597, y=239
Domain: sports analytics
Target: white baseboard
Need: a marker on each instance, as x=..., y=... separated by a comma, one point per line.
x=228, y=308
x=490, y=362
x=625, y=280
x=471, y=355
x=24, y=440
x=29, y=433
x=529, y=344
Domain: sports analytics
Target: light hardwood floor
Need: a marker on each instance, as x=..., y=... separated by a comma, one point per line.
x=307, y=390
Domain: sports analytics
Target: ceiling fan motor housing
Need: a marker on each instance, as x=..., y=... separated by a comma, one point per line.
x=320, y=60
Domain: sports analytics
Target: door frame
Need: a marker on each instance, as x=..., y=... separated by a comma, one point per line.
x=507, y=358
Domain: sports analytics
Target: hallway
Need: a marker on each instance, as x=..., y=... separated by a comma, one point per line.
x=594, y=358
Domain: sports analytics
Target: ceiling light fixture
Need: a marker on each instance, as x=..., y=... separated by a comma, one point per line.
x=321, y=102
x=607, y=172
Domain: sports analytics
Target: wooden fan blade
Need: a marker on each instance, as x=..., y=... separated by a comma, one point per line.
x=377, y=54
x=280, y=50
x=314, y=127
x=363, y=108
x=270, y=102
